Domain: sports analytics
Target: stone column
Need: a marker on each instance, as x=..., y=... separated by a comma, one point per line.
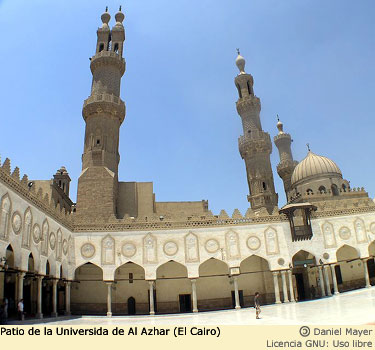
x=21, y=276
x=54, y=297
x=285, y=288
x=236, y=296
x=39, y=313
x=194, y=292
x=67, y=298
x=326, y=277
x=152, y=310
x=291, y=289
x=367, y=277
x=109, y=299
x=276, y=285
x=334, y=279
x=321, y=281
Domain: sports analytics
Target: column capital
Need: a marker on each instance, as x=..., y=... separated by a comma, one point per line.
x=283, y=272
x=275, y=273
x=67, y=283
x=193, y=280
x=21, y=274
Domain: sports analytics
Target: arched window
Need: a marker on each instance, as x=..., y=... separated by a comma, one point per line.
x=322, y=189
x=116, y=48
x=101, y=47
x=309, y=191
x=248, y=87
x=335, y=190
x=239, y=91
x=344, y=187
x=264, y=186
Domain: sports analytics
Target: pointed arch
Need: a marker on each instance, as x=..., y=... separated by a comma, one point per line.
x=171, y=269
x=303, y=257
x=254, y=263
x=27, y=225
x=213, y=266
x=108, y=250
x=5, y=210
x=347, y=252
x=45, y=237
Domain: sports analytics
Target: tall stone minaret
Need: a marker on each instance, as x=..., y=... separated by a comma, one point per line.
x=103, y=112
x=287, y=164
x=255, y=145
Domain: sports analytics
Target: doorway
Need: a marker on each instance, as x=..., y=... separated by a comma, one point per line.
x=240, y=295
x=131, y=306
x=300, y=286
x=185, y=303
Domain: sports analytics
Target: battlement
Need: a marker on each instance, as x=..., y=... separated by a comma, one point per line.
x=108, y=58
x=29, y=191
x=255, y=142
x=247, y=103
x=103, y=102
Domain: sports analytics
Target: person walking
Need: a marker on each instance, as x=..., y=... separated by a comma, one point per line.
x=257, y=305
x=20, y=310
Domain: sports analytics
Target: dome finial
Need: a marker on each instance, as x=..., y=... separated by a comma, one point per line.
x=279, y=125
x=308, y=147
x=240, y=62
x=105, y=18
x=119, y=17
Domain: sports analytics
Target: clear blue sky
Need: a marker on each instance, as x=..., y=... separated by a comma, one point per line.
x=313, y=63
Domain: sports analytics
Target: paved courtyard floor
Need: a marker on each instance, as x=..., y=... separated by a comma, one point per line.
x=351, y=308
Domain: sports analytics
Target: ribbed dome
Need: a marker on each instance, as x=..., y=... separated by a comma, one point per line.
x=314, y=165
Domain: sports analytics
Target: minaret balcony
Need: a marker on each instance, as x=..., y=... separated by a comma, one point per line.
x=248, y=103
x=255, y=142
x=286, y=167
x=104, y=103
x=106, y=58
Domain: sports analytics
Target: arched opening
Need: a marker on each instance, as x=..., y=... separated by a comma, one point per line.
x=239, y=91
x=130, y=283
x=255, y=277
x=131, y=306
x=173, y=288
x=30, y=288
x=89, y=295
x=343, y=187
x=371, y=262
x=322, y=190
x=305, y=276
x=9, y=282
x=213, y=285
x=115, y=49
x=101, y=47
x=249, y=88
x=47, y=291
x=335, y=190
x=264, y=186
x=309, y=192
x=350, y=267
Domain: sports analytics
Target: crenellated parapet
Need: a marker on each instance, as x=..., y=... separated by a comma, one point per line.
x=107, y=58
x=32, y=194
x=254, y=143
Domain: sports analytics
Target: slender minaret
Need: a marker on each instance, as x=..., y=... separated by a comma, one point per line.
x=287, y=164
x=103, y=112
x=255, y=145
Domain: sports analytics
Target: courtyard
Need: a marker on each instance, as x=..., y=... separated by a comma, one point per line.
x=351, y=308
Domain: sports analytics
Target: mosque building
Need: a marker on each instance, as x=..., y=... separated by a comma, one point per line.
x=118, y=251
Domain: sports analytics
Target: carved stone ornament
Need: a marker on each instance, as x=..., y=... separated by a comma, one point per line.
x=16, y=222
x=52, y=241
x=281, y=261
x=253, y=243
x=128, y=249
x=344, y=233
x=372, y=228
x=88, y=250
x=272, y=241
x=36, y=233
x=326, y=256
x=170, y=248
x=191, y=248
x=149, y=249
x=232, y=245
x=65, y=247
x=360, y=231
x=329, y=235
x=108, y=250
x=212, y=245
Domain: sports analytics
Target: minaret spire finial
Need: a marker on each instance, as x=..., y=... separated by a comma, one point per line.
x=278, y=119
x=106, y=9
x=119, y=8
x=238, y=51
x=308, y=147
